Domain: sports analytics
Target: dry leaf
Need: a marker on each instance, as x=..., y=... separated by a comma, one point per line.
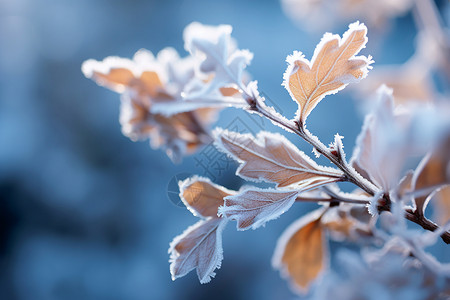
x=200, y=246
x=333, y=66
x=272, y=158
x=431, y=174
x=202, y=197
x=441, y=204
x=146, y=81
x=253, y=207
x=302, y=251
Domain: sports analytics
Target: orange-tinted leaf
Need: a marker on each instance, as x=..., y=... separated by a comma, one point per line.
x=441, y=203
x=302, y=251
x=119, y=74
x=333, y=66
x=199, y=247
x=252, y=208
x=432, y=173
x=146, y=81
x=202, y=197
x=272, y=158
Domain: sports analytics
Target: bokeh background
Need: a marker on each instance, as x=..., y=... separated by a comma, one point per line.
x=87, y=214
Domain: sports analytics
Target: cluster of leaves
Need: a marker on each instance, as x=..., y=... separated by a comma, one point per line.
x=158, y=93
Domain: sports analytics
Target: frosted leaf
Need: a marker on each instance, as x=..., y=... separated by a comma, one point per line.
x=200, y=248
x=213, y=45
x=301, y=253
x=253, y=207
x=145, y=82
x=379, y=145
x=432, y=174
x=272, y=158
x=333, y=66
x=202, y=197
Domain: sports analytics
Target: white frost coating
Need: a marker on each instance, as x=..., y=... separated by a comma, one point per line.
x=205, y=256
x=185, y=105
x=253, y=207
x=184, y=184
x=112, y=62
x=299, y=56
x=283, y=240
x=303, y=163
x=215, y=49
x=143, y=60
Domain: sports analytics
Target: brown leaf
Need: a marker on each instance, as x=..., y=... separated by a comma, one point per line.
x=272, y=158
x=199, y=247
x=119, y=74
x=142, y=82
x=202, y=197
x=431, y=174
x=441, y=203
x=253, y=207
x=333, y=66
x=302, y=251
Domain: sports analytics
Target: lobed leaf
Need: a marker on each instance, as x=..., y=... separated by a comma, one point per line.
x=302, y=251
x=333, y=66
x=145, y=82
x=272, y=158
x=253, y=207
x=217, y=51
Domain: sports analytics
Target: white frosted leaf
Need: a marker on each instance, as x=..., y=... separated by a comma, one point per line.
x=253, y=207
x=200, y=248
x=272, y=158
x=214, y=46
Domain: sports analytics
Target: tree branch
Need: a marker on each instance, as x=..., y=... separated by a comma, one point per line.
x=256, y=105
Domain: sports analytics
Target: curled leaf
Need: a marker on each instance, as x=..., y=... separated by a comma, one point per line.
x=302, y=251
x=432, y=174
x=146, y=81
x=441, y=204
x=272, y=158
x=253, y=207
x=333, y=66
x=200, y=248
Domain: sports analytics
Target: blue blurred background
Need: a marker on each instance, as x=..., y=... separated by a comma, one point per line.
x=85, y=212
